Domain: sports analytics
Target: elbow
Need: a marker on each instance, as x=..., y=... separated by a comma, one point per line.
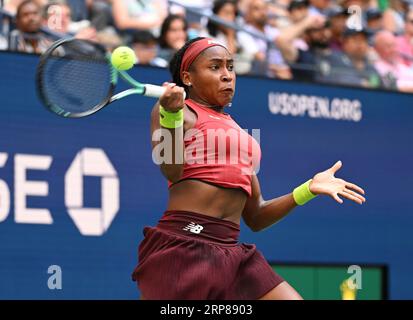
x=253, y=226
x=254, y=229
x=120, y=24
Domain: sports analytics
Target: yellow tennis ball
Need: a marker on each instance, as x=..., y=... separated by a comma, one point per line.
x=123, y=58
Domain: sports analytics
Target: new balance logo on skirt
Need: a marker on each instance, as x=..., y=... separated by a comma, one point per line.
x=194, y=228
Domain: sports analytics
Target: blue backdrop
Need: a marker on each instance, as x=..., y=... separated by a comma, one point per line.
x=370, y=131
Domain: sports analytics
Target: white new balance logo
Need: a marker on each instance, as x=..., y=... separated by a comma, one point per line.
x=194, y=228
x=212, y=41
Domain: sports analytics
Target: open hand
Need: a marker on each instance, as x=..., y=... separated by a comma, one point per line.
x=326, y=183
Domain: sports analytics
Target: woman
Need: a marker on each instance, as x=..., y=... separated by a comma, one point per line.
x=173, y=36
x=239, y=44
x=193, y=252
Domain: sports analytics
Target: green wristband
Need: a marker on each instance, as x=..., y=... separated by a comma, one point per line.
x=171, y=120
x=302, y=194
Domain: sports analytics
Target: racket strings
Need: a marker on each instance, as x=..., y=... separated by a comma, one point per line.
x=76, y=77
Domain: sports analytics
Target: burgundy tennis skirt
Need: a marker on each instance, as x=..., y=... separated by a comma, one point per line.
x=193, y=256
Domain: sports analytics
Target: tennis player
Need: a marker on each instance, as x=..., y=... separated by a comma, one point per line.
x=193, y=252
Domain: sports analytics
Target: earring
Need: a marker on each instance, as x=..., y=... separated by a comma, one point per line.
x=189, y=84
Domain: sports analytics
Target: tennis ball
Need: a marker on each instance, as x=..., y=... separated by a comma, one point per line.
x=123, y=58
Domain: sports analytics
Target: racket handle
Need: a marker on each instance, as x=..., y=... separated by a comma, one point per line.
x=155, y=91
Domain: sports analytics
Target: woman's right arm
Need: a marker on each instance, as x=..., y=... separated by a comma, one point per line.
x=168, y=144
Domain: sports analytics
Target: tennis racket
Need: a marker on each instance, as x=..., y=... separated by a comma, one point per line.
x=75, y=79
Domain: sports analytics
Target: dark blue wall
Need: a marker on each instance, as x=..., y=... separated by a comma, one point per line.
x=376, y=152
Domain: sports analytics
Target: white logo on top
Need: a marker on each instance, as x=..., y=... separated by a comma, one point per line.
x=194, y=228
x=213, y=42
x=213, y=117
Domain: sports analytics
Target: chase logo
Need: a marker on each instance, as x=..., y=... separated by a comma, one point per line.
x=92, y=221
x=87, y=162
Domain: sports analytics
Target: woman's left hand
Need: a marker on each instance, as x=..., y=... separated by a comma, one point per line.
x=326, y=183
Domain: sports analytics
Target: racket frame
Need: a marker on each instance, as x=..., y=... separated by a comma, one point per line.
x=148, y=90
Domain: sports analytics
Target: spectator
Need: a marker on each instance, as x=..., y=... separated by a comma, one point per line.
x=226, y=10
x=195, y=21
x=79, y=9
x=352, y=66
x=269, y=60
x=298, y=10
x=12, y=5
x=405, y=41
x=100, y=12
x=57, y=17
x=240, y=44
x=28, y=37
x=173, y=36
x=337, y=18
x=139, y=15
x=374, y=18
x=307, y=63
x=278, y=13
x=389, y=65
x=145, y=46
x=393, y=16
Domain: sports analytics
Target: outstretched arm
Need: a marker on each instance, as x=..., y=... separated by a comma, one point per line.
x=259, y=214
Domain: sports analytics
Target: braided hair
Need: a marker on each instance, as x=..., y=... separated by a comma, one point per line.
x=176, y=61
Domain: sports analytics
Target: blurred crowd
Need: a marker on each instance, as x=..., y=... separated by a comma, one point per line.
x=367, y=43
